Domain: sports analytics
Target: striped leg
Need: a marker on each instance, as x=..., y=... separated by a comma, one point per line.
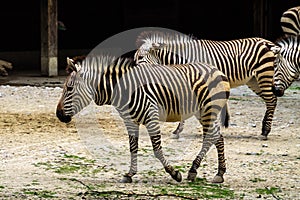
x=264, y=90
x=178, y=130
x=210, y=137
x=133, y=133
x=221, y=161
x=154, y=132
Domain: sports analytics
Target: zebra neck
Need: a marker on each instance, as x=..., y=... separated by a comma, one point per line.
x=108, y=84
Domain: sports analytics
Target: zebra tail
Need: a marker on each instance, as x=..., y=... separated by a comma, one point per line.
x=225, y=117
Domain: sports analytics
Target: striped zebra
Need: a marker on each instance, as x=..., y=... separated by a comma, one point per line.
x=290, y=21
x=287, y=64
x=146, y=94
x=244, y=61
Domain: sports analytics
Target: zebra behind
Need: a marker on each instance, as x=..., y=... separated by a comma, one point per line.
x=248, y=61
x=146, y=94
x=287, y=64
x=290, y=21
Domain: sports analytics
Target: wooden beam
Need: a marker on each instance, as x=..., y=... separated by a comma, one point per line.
x=49, y=38
x=262, y=17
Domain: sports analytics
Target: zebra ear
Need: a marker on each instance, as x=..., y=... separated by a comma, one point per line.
x=276, y=49
x=157, y=46
x=72, y=65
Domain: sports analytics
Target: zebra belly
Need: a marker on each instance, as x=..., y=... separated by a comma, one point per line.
x=173, y=117
x=237, y=83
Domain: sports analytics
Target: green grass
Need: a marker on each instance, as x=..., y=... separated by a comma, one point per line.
x=67, y=164
x=256, y=180
x=294, y=88
x=39, y=193
x=267, y=191
x=200, y=188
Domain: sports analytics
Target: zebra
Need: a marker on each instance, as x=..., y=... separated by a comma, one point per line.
x=247, y=61
x=146, y=94
x=287, y=63
x=290, y=21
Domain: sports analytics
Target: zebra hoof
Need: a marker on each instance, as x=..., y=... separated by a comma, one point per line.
x=263, y=137
x=175, y=136
x=176, y=175
x=126, y=179
x=192, y=176
x=218, y=179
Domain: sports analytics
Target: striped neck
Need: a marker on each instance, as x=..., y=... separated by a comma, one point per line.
x=102, y=73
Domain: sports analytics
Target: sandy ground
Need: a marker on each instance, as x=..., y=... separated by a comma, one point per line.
x=44, y=158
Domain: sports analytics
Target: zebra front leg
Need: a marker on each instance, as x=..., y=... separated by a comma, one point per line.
x=178, y=130
x=267, y=121
x=156, y=143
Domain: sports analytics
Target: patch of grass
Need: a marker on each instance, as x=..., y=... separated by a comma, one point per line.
x=66, y=164
x=35, y=182
x=39, y=193
x=294, y=88
x=200, y=188
x=65, y=169
x=182, y=168
x=256, y=180
x=268, y=191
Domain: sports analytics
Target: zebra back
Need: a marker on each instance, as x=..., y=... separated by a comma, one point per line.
x=238, y=59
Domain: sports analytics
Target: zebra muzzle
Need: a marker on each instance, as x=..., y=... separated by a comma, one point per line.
x=62, y=117
x=277, y=91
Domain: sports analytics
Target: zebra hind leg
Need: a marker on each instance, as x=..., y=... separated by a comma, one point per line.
x=221, y=161
x=178, y=130
x=133, y=143
x=208, y=141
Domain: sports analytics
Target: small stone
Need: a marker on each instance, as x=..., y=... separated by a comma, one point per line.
x=264, y=145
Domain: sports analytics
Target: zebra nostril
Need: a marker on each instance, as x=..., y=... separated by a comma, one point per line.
x=277, y=91
x=62, y=117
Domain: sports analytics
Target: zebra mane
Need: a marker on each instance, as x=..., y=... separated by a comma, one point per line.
x=289, y=41
x=149, y=37
x=103, y=61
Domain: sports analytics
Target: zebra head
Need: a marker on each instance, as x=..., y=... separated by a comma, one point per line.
x=147, y=53
x=287, y=64
x=75, y=95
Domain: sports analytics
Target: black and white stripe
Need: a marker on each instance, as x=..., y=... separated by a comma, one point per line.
x=147, y=94
x=287, y=64
x=290, y=21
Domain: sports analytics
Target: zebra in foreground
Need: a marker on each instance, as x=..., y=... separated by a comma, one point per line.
x=147, y=94
x=287, y=64
x=247, y=61
x=290, y=21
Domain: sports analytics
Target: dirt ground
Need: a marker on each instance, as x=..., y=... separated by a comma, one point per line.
x=43, y=158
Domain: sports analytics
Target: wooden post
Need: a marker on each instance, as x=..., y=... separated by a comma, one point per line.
x=261, y=18
x=49, y=38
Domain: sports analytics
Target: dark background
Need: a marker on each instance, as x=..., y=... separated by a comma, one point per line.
x=90, y=22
